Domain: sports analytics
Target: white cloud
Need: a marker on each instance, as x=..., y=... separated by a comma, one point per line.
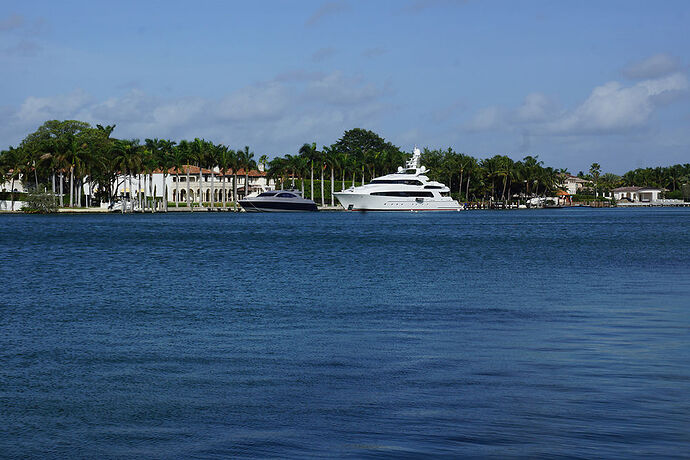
x=655, y=66
x=613, y=108
x=273, y=116
x=610, y=108
x=337, y=89
x=259, y=102
x=40, y=109
x=486, y=119
x=537, y=107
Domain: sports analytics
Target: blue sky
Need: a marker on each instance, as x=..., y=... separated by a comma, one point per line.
x=571, y=81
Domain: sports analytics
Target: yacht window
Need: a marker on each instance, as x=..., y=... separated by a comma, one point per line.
x=433, y=187
x=285, y=195
x=267, y=194
x=404, y=194
x=396, y=181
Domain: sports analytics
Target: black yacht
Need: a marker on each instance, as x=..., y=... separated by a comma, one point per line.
x=278, y=201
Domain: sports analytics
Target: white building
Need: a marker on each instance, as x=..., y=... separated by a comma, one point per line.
x=6, y=186
x=574, y=184
x=637, y=194
x=203, y=184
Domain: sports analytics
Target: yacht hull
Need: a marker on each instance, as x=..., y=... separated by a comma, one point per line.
x=277, y=206
x=365, y=202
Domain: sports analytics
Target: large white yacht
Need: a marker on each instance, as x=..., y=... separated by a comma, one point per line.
x=408, y=189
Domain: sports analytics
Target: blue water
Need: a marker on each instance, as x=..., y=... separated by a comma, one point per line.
x=495, y=334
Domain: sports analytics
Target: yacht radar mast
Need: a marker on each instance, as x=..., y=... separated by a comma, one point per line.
x=415, y=161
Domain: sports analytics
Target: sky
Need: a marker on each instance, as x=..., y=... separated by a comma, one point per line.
x=574, y=82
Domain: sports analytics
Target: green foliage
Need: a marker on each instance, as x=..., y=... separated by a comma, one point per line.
x=78, y=152
x=40, y=203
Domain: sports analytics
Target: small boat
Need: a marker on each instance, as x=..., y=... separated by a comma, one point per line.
x=278, y=201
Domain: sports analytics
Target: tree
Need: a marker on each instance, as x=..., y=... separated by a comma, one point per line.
x=198, y=152
x=185, y=149
x=167, y=160
x=277, y=169
x=309, y=152
x=224, y=162
x=246, y=162
x=263, y=159
x=14, y=162
x=332, y=160
x=59, y=140
x=595, y=170
x=361, y=145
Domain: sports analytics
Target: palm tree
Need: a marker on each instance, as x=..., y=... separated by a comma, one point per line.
x=309, y=152
x=277, y=168
x=212, y=159
x=166, y=161
x=322, y=166
x=595, y=170
x=199, y=153
x=247, y=162
x=14, y=162
x=263, y=159
x=177, y=161
x=224, y=162
x=128, y=160
x=331, y=158
x=234, y=164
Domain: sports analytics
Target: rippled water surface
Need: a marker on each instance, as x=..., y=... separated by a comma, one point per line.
x=214, y=335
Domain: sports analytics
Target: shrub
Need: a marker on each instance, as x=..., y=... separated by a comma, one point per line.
x=40, y=203
x=674, y=195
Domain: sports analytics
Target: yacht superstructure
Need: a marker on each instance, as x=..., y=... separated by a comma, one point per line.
x=408, y=189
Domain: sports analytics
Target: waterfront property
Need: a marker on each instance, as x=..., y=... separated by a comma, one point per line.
x=194, y=185
x=573, y=184
x=637, y=194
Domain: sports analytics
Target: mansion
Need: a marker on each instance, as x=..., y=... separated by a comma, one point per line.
x=202, y=185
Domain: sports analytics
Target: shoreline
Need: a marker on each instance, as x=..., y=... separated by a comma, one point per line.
x=185, y=209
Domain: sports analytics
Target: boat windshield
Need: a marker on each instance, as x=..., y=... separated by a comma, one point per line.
x=286, y=195
x=267, y=194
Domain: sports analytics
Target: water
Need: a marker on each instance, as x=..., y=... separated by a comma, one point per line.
x=499, y=334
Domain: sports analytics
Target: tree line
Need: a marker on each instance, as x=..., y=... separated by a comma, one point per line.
x=360, y=155
x=67, y=155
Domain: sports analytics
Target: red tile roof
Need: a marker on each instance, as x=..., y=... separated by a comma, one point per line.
x=195, y=170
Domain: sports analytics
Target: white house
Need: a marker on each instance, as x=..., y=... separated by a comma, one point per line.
x=637, y=194
x=573, y=184
x=203, y=184
x=6, y=186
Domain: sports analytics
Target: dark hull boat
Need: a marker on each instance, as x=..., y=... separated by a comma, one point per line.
x=278, y=201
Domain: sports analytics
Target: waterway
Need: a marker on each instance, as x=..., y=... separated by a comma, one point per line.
x=536, y=333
